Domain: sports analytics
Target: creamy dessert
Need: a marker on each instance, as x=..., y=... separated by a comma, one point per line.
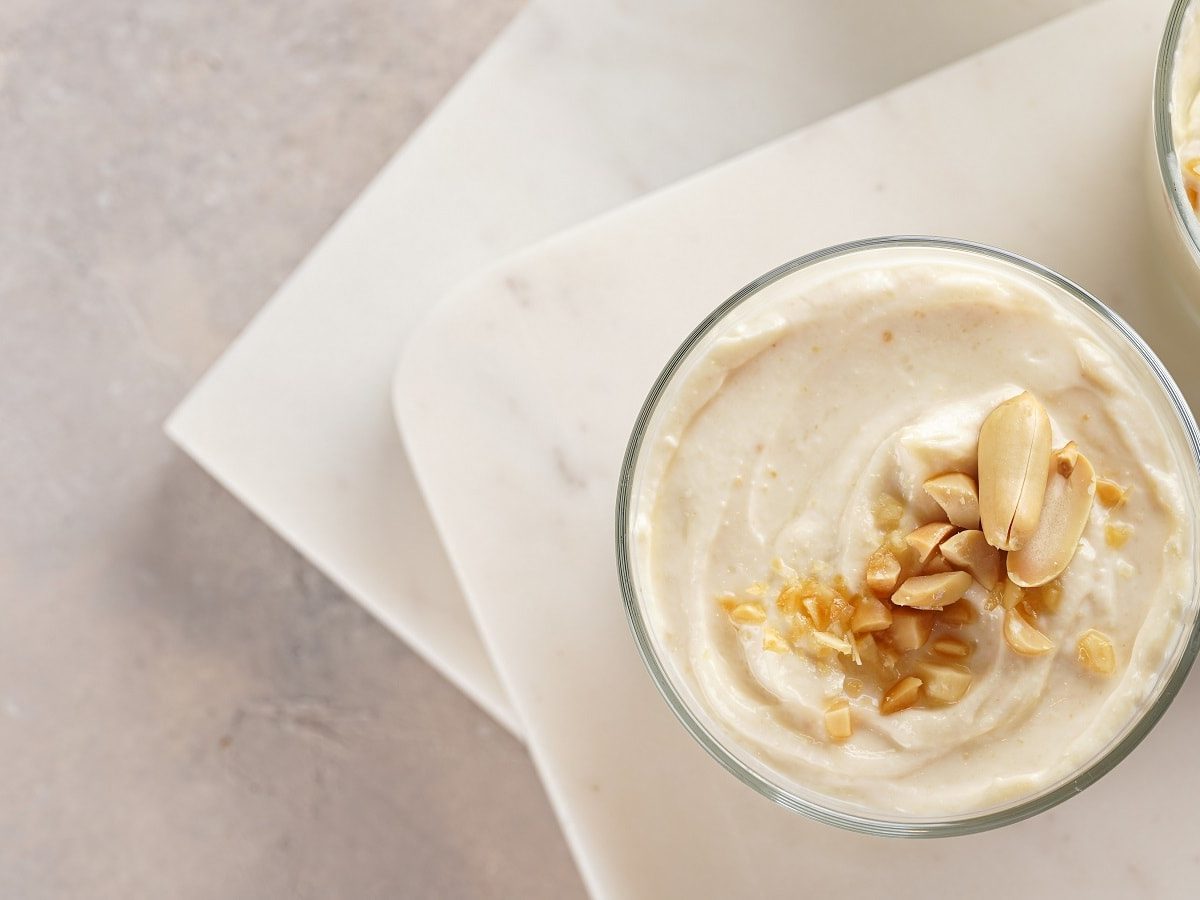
x=1173, y=171
x=911, y=535
x=1185, y=106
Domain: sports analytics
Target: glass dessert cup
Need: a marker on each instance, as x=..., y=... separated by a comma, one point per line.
x=1169, y=408
x=1175, y=226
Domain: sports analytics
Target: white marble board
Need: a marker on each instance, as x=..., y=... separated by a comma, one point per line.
x=517, y=395
x=581, y=105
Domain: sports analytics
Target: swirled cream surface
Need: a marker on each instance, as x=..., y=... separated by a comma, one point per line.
x=771, y=448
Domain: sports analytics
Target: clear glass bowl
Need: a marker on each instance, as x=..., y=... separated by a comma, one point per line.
x=1161, y=393
x=1176, y=229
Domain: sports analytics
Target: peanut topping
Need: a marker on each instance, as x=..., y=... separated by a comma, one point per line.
x=925, y=540
x=952, y=647
x=901, y=695
x=1050, y=548
x=870, y=616
x=1011, y=594
x=1109, y=493
x=958, y=495
x=1022, y=637
x=1008, y=539
x=748, y=614
x=910, y=629
x=883, y=572
x=1096, y=653
x=825, y=639
x=877, y=657
x=775, y=642
x=937, y=565
x=957, y=614
x=837, y=720
x=970, y=551
x=932, y=591
x=1116, y=534
x=1046, y=597
x=1065, y=459
x=944, y=683
x=1014, y=457
x=888, y=512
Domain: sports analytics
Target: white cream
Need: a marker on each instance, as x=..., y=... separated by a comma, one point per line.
x=775, y=443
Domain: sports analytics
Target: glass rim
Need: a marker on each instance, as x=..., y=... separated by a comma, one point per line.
x=1164, y=137
x=910, y=827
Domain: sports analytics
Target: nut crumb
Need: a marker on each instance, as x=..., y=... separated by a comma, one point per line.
x=883, y=572
x=748, y=614
x=1096, y=653
x=1045, y=598
x=1011, y=594
x=837, y=720
x=1110, y=494
x=1066, y=458
x=774, y=642
x=1116, y=534
x=888, y=512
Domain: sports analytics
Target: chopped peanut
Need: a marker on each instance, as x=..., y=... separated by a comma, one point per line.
x=937, y=565
x=1045, y=598
x=870, y=616
x=837, y=720
x=748, y=614
x=970, y=551
x=1022, y=637
x=1109, y=493
x=943, y=683
x=1011, y=594
x=960, y=613
x=901, y=695
x=952, y=647
x=774, y=642
x=883, y=572
x=958, y=496
x=1116, y=534
x=1066, y=458
x=888, y=512
x=925, y=540
x=910, y=629
x=1096, y=653
x=932, y=591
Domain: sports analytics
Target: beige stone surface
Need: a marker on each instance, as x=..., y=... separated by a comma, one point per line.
x=187, y=709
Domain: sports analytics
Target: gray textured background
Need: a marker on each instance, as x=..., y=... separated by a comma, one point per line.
x=187, y=709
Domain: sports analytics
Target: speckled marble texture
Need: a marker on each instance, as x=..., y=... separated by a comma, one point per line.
x=186, y=708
